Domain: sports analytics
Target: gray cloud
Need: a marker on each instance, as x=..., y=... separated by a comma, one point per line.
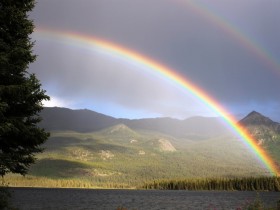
x=77, y=75
x=172, y=33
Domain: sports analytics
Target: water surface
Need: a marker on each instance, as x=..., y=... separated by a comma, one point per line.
x=82, y=199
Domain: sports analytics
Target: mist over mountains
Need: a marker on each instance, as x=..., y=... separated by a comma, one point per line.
x=56, y=118
x=262, y=128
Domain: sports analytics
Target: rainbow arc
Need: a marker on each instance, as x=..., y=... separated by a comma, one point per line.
x=168, y=74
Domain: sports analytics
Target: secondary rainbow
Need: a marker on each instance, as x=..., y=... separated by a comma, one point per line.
x=166, y=73
x=235, y=33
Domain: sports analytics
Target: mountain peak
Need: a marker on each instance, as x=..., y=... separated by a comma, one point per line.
x=254, y=113
x=261, y=127
x=255, y=118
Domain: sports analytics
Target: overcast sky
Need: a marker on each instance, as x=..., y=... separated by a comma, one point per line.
x=230, y=49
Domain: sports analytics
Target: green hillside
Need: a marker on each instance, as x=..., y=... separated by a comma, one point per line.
x=88, y=149
x=119, y=156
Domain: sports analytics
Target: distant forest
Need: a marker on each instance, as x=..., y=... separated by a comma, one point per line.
x=238, y=184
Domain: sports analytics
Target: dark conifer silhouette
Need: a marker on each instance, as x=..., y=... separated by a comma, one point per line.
x=21, y=95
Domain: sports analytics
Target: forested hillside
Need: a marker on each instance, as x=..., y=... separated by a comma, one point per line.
x=82, y=152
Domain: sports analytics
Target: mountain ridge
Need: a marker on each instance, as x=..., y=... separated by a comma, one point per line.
x=58, y=118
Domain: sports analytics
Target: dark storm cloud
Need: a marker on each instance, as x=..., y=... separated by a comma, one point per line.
x=175, y=34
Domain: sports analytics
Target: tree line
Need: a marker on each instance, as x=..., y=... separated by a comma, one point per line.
x=239, y=184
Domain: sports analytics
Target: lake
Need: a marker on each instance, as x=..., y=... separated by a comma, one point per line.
x=99, y=199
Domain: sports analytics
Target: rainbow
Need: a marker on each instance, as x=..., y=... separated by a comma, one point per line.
x=235, y=33
x=168, y=74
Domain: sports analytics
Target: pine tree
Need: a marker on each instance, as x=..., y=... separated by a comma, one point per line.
x=21, y=95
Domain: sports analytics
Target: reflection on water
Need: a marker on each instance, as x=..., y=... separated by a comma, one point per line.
x=78, y=199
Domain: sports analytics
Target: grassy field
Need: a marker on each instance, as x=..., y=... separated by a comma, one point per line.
x=119, y=157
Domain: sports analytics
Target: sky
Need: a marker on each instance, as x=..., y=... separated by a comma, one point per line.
x=229, y=49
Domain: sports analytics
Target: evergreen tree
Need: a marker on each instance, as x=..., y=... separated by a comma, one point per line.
x=21, y=95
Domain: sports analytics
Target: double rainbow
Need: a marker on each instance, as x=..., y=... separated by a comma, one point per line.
x=235, y=33
x=166, y=73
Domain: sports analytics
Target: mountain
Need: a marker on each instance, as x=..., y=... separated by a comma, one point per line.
x=261, y=127
x=89, y=149
x=194, y=127
x=255, y=118
x=56, y=118
x=265, y=131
